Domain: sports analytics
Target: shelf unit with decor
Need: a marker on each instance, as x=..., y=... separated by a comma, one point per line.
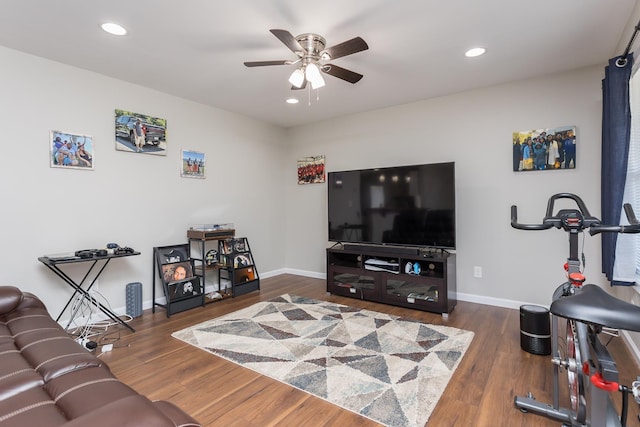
x=420, y=278
x=182, y=288
x=204, y=251
x=237, y=266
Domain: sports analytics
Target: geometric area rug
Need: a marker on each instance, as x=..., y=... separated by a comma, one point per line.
x=390, y=369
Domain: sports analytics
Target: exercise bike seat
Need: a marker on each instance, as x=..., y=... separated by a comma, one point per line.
x=592, y=304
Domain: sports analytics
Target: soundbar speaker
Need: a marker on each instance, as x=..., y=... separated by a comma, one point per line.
x=535, y=330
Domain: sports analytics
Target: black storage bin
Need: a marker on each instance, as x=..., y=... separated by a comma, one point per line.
x=535, y=330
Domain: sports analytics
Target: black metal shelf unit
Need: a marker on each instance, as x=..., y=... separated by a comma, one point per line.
x=237, y=267
x=182, y=288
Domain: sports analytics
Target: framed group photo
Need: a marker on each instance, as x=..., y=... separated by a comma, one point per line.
x=311, y=170
x=192, y=164
x=544, y=149
x=71, y=151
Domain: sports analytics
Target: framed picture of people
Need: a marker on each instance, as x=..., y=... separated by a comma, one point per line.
x=71, y=151
x=140, y=133
x=192, y=164
x=544, y=149
x=311, y=170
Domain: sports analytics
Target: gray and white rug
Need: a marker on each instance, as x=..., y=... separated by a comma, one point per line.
x=392, y=370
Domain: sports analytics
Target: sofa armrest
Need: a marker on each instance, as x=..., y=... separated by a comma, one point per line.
x=10, y=298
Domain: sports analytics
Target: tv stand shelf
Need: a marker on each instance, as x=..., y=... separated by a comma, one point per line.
x=418, y=279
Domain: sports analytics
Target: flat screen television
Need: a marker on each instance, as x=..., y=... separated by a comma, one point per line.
x=403, y=205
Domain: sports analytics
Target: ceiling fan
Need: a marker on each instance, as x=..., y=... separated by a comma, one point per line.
x=311, y=52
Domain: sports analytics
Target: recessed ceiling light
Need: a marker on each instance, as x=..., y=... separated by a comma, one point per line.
x=476, y=51
x=292, y=101
x=115, y=29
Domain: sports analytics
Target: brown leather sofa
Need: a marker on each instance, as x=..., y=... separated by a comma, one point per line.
x=47, y=379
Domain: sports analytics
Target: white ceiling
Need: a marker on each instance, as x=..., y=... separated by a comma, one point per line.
x=195, y=49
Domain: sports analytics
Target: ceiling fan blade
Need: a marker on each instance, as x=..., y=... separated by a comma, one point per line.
x=342, y=73
x=263, y=63
x=354, y=45
x=287, y=38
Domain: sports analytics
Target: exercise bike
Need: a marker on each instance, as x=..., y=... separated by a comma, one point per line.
x=589, y=312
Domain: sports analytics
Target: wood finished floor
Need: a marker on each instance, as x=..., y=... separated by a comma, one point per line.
x=221, y=393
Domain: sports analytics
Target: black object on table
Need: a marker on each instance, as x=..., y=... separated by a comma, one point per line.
x=54, y=264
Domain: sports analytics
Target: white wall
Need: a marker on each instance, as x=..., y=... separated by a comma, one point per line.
x=474, y=129
x=135, y=200
x=251, y=179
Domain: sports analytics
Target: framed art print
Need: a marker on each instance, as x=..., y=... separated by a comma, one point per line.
x=192, y=164
x=71, y=151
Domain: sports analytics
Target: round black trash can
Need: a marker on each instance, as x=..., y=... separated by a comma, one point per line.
x=535, y=330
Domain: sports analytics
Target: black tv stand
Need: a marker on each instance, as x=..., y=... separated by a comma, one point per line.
x=416, y=278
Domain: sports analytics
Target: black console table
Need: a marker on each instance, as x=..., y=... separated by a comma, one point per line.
x=54, y=264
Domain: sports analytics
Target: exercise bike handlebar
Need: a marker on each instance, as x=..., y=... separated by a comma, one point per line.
x=633, y=228
x=576, y=219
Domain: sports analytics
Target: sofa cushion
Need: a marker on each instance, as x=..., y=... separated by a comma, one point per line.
x=33, y=407
x=75, y=392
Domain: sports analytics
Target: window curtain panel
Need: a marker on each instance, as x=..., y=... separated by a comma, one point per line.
x=616, y=126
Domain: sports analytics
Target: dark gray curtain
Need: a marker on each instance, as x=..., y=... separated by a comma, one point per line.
x=616, y=126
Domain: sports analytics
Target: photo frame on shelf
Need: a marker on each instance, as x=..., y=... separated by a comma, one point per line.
x=71, y=151
x=139, y=133
x=544, y=149
x=192, y=164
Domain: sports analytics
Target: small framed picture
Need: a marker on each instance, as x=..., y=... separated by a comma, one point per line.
x=311, y=170
x=192, y=164
x=71, y=151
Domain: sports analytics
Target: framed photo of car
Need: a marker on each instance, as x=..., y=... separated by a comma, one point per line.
x=71, y=151
x=140, y=133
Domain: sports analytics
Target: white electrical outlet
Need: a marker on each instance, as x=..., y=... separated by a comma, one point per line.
x=477, y=271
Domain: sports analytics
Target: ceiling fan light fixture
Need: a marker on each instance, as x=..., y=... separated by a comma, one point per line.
x=318, y=83
x=313, y=76
x=297, y=77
